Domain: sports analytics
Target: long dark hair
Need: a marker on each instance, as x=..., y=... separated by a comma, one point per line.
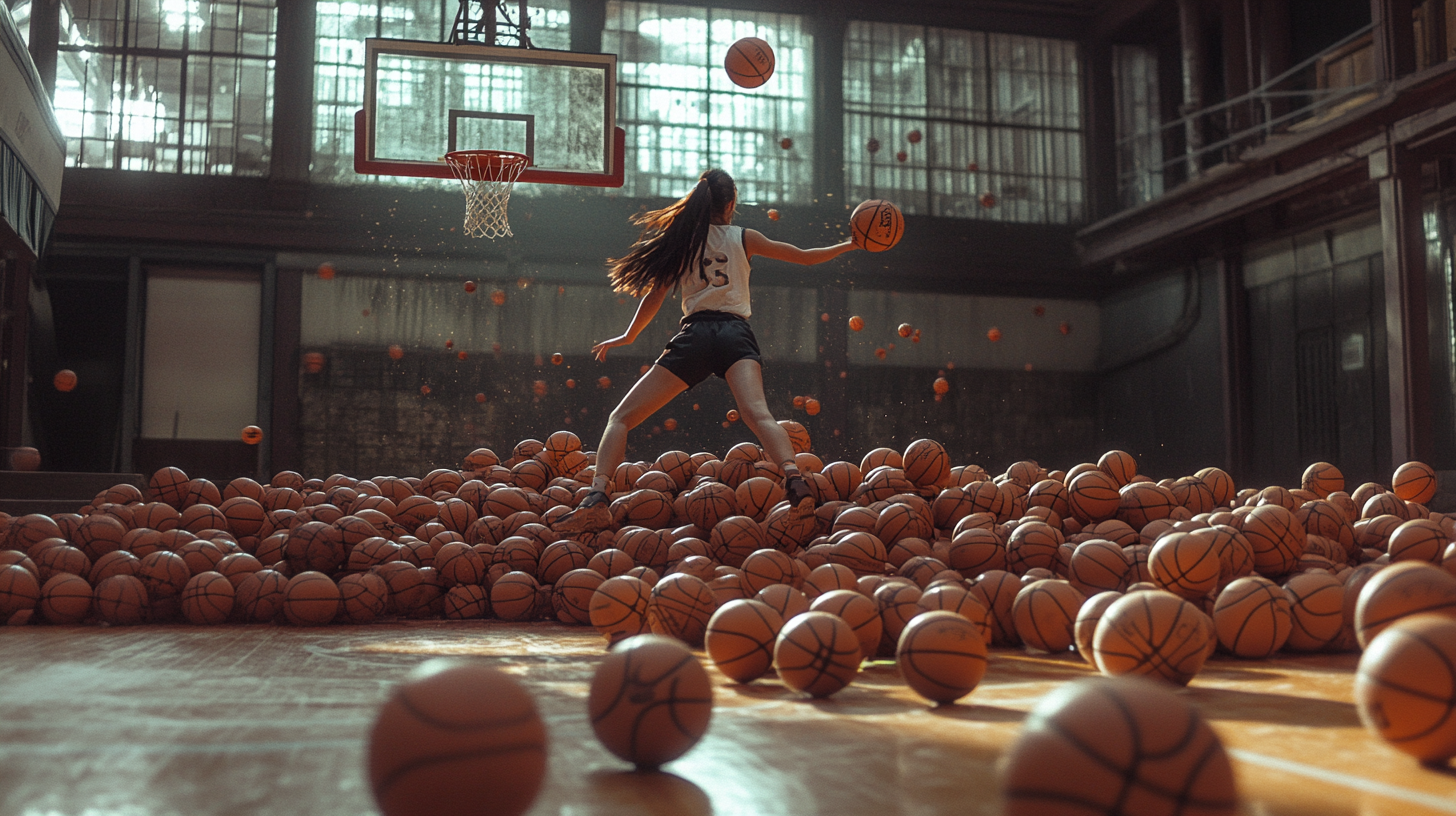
x=672, y=237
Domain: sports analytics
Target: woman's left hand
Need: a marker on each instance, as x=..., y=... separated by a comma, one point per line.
x=599, y=351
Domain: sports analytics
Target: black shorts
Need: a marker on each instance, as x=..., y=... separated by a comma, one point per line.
x=708, y=343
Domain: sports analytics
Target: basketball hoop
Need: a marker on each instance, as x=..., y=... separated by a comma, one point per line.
x=487, y=176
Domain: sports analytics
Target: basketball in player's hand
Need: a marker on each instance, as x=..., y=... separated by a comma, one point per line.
x=876, y=225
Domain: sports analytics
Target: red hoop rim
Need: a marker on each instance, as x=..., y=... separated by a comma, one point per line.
x=474, y=164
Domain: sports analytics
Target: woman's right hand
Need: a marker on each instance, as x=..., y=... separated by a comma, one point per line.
x=599, y=351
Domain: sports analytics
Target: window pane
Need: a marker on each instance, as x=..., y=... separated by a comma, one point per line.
x=1139, y=125
x=189, y=89
x=963, y=124
x=683, y=115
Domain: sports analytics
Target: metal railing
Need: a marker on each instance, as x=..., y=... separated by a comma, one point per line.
x=1232, y=127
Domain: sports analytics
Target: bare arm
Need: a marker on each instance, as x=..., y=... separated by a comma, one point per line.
x=755, y=243
x=646, y=310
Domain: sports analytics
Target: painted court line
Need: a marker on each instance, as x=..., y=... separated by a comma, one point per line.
x=1431, y=801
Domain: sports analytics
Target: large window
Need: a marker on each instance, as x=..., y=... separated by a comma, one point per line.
x=342, y=28
x=963, y=123
x=173, y=86
x=1139, y=131
x=683, y=115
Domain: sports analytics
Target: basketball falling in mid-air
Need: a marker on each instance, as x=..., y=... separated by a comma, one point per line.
x=749, y=63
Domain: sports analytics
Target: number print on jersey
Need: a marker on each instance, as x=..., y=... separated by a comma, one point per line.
x=716, y=266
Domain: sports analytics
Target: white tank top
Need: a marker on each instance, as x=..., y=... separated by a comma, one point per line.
x=718, y=281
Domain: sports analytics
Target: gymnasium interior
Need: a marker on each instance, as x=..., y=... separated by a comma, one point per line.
x=1199, y=249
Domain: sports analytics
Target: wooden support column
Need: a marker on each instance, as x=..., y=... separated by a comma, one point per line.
x=293, y=105
x=829, y=31
x=1407, y=337
x=588, y=17
x=15, y=273
x=1100, y=102
x=1190, y=31
x=1395, y=39
x=283, y=440
x=267, y=360
x=1233, y=306
x=833, y=392
x=1237, y=65
x=131, y=382
x=45, y=38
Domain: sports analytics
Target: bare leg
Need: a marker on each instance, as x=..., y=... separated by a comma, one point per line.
x=745, y=379
x=655, y=389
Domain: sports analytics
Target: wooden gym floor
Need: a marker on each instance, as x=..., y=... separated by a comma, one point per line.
x=186, y=721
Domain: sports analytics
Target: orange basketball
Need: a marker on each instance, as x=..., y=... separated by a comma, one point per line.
x=364, y=597
x=1186, y=564
x=650, y=700
x=757, y=495
x=1116, y=745
x=1097, y=565
x=1032, y=544
x=1119, y=465
x=457, y=737
x=1322, y=479
x=1414, y=482
x=899, y=604
x=1399, y=591
x=1085, y=625
x=1316, y=608
x=65, y=380
x=1405, y=687
x=857, y=610
x=749, y=62
x=960, y=600
x=766, y=567
x=619, y=607
x=1252, y=617
x=1277, y=537
x=941, y=656
x=974, y=550
x=258, y=597
x=311, y=599
x=513, y=596
x=926, y=463
x=876, y=226
x=252, y=434
x=164, y=573
x=1044, y=613
x=740, y=639
x=610, y=562
x=65, y=599
x=466, y=602
x=1417, y=540
x=817, y=653
x=1092, y=496
x=784, y=599
x=735, y=538
x=826, y=578
x=1153, y=633
x=120, y=600
x=997, y=590
x=207, y=599
x=680, y=606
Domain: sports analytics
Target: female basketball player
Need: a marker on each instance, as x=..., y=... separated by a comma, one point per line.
x=692, y=245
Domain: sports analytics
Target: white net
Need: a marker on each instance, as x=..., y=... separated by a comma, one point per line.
x=487, y=176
